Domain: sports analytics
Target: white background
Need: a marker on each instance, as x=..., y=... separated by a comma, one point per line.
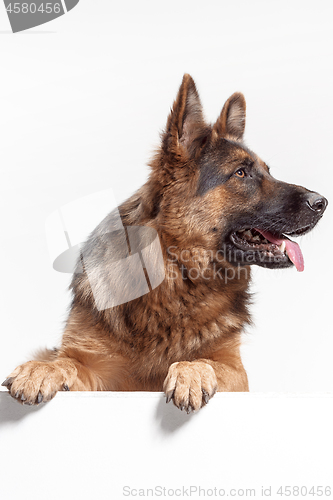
x=83, y=99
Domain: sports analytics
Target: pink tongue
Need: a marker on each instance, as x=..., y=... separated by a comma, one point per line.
x=293, y=250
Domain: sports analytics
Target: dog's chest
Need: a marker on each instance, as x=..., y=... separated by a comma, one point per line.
x=184, y=327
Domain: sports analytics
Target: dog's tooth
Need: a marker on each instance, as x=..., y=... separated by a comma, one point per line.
x=282, y=246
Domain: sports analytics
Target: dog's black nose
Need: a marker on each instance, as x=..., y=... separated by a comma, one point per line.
x=316, y=202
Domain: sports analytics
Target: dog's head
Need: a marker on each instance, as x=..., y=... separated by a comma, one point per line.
x=218, y=194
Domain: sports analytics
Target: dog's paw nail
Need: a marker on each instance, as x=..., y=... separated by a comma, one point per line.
x=23, y=398
x=7, y=382
x=16, y=395
x=205, y=396
x=39, y=398
x=169, y=397
x=189, y=409
x=182, y=407
x=66, y=388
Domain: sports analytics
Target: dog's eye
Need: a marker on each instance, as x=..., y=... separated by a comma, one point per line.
x=240, y=173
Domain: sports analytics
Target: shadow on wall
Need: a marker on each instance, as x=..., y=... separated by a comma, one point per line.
x=12, y=411
x=169, y=419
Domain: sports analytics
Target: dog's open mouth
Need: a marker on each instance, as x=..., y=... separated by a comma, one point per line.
x=276, y=250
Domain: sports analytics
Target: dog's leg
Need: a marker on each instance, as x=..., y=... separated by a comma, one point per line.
x=86, y=361
x=73, y=369
x=191, y=384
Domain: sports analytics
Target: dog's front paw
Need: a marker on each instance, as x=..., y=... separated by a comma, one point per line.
x=38, y=381
x=190, y=384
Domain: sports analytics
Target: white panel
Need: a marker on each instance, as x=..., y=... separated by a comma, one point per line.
x=101, y=445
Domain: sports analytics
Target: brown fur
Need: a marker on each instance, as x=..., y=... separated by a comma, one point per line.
x=183, y=336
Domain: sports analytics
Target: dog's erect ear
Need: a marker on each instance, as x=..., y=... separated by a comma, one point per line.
x=231, y=121
x=186, y=127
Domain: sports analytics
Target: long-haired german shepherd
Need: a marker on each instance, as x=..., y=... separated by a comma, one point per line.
x=217, y=211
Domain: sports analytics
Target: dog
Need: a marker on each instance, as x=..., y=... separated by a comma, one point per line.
x=217, y=211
